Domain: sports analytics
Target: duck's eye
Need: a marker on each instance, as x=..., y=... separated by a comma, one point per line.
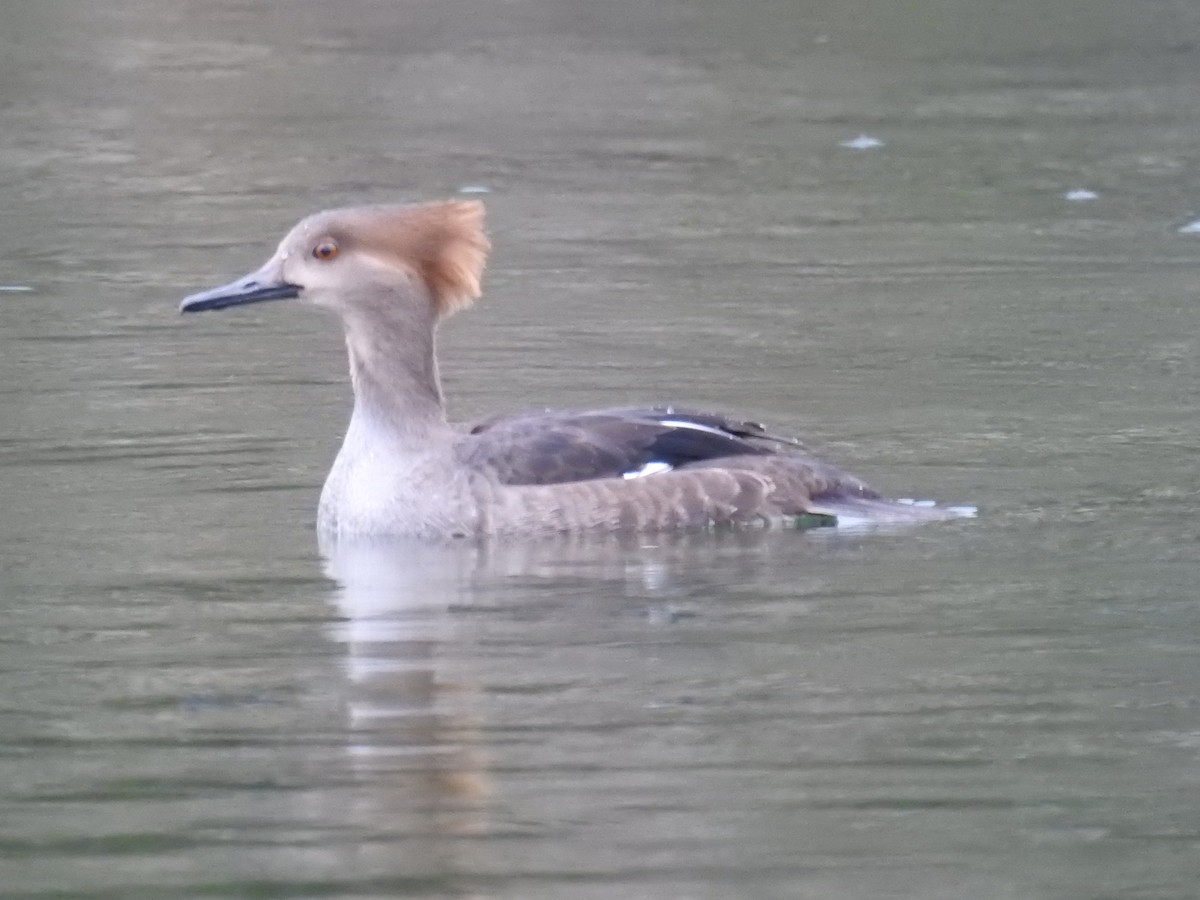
x=326, y=250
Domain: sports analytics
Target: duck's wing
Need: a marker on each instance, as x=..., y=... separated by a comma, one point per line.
x=754, y=432
x=648, y=468
x=626, y=442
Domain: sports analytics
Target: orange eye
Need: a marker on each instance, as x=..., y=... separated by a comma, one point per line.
x=325, y=250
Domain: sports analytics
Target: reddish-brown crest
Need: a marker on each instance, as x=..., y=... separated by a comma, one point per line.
x=443, y=242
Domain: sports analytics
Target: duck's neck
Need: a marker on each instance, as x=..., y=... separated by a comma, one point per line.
x=393, y=367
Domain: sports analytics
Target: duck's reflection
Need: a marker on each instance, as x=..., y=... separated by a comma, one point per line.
x=412, y=722
x=416, y=625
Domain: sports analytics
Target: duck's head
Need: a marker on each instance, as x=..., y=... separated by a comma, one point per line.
x=348, y=258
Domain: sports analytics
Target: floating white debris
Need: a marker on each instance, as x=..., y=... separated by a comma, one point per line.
x=1078, y=195
x=474, y=189
x=1192, y=227
x=862, y=142
x=15, y=289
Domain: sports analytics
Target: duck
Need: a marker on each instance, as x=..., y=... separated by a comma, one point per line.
x=392, y=274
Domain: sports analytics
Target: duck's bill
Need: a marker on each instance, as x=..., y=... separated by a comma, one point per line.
x=253, y=288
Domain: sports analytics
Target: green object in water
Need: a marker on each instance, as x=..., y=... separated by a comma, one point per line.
x=814, y=520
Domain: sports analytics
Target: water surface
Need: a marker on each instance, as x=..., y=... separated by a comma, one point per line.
x=196, y=703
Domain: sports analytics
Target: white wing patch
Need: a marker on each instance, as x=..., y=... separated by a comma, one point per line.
x=695, y=426
x=657, y=466
x=654, y=467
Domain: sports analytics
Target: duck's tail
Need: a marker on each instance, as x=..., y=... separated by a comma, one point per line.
x=866, y=513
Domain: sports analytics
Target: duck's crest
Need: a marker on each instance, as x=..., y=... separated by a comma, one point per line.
x=443, y=242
